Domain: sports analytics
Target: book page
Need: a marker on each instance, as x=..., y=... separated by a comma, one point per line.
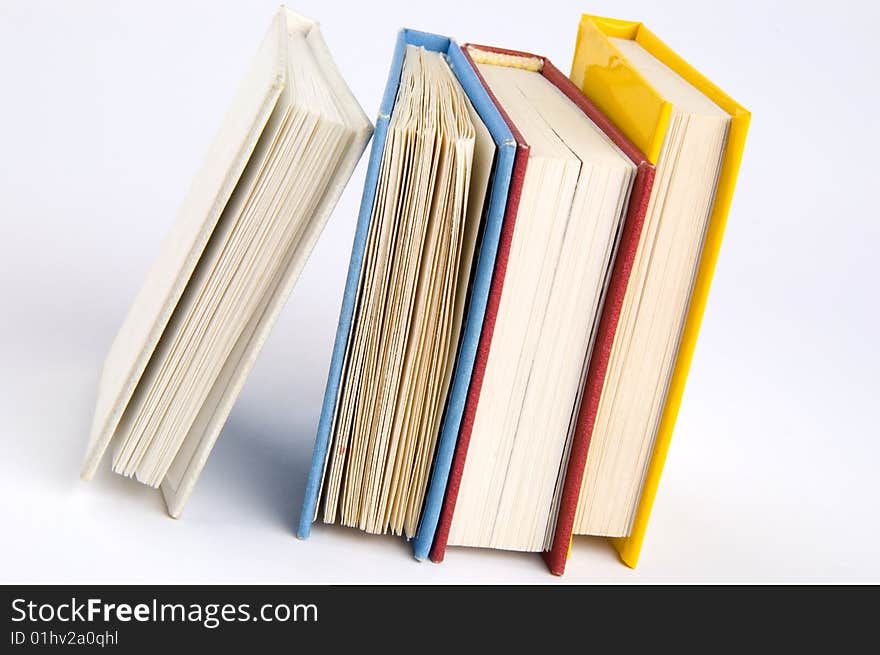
x=423, y=230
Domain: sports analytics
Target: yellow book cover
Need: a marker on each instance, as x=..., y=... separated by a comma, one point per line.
x=608, y=79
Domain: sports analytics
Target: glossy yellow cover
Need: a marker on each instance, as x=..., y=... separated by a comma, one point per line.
x=623, y=94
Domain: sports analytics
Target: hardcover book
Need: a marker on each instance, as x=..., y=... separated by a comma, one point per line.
x=519, y=435
x=694, y=133
x=422, y=261
x=276, y=168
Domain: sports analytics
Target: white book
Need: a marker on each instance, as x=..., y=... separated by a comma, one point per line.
x=274, y=172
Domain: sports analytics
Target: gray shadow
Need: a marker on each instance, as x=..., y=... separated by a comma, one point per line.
x=262, y=473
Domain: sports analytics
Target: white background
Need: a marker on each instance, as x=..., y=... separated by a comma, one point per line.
x=105, y=113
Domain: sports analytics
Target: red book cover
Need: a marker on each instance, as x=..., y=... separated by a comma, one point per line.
x=606, y=329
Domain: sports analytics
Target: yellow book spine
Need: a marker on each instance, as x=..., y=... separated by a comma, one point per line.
x=638, y=110
x=616, y=87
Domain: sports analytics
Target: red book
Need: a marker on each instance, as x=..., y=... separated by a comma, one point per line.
x=608, y=317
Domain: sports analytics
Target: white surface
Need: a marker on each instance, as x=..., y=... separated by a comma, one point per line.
x=771, y=475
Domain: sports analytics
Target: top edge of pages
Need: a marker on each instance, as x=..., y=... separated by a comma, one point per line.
x=529, y=270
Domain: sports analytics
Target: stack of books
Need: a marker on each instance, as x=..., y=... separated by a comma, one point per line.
x=530, y=266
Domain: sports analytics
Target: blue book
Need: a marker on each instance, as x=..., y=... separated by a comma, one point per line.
x=475, y=309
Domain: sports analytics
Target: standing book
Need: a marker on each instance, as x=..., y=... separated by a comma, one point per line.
x=695, y=134
x=504, y=490
x=424, y=252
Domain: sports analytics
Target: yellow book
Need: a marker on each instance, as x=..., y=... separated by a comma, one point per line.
x=609, y=79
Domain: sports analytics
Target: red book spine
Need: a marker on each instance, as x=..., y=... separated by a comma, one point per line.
x=630, y=235
x=595, y=380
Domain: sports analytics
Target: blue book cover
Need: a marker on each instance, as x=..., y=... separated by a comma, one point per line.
x=476, y=304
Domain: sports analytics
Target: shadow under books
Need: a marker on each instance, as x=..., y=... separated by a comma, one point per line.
x=257, y=468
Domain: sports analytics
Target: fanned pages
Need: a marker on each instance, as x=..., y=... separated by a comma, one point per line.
x=249, y=222
x=401, y=349
x=418, y=289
